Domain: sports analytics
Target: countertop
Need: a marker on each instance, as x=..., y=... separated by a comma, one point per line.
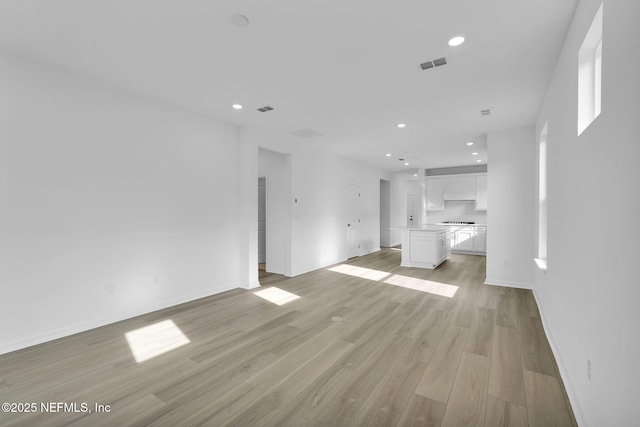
x=427, y=227
x=462, y=225
x=436, y=227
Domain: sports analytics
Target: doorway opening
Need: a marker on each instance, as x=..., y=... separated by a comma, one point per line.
x=262, y=223
x=274, y=212
x=385, y=213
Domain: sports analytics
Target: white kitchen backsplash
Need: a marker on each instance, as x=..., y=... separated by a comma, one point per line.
x=455, y=210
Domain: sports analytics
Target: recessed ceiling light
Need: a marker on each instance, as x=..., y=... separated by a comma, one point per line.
x=474, y=154
x=388, y=154
x=237, y=107
x=456, y=41
x=401, y=125
x=415, y=174
x=406, y=163
x=478, y=161
x=469, y=143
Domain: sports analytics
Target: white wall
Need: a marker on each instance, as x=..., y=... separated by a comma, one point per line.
x=318, y=183
x=246, y=175
x=589, y=296
x=98, y=186
x=511, y=216
x=320, y=216
x=277, y=169
x=399, y=190
x=414, y=189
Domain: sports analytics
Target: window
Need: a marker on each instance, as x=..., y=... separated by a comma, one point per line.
x=590, y=74
x=541, y=260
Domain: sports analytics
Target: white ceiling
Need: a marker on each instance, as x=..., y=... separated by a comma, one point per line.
x=347, y=69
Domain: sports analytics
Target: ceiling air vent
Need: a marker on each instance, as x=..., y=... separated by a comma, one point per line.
x=265, y=109
x=486, y=112
x=426, y=65
x=433, y=63
x=306, y=133
x=440, y=61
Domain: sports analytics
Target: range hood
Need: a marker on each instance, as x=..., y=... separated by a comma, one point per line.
x=460, y=190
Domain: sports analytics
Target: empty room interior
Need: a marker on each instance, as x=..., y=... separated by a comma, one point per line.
x=239, y=213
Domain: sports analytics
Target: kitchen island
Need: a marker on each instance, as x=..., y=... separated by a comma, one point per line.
x=424, y=247
x=468, y=238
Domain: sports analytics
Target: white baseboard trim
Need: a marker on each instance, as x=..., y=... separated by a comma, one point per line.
x=507, y=283
x=369, y=251
x=252, y=285
x=308, y=270
x=55, y=334
x=578, y=411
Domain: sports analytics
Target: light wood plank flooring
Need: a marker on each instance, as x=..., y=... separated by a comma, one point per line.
x=349, y=350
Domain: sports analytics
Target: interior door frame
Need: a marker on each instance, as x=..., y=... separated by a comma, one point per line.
x=348, y=222
x=266, y=217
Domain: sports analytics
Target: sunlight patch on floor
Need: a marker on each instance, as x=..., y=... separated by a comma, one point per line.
x=276, y=295
x=436, y=288
x=153, y=340
x=365, y=273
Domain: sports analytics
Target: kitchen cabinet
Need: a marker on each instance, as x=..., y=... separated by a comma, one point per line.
x=481, y=193
x=444, y=244
x=469, y=239
x=463, y=239
x=435, y=192
x=480, y=240
x=424, y=247
x=463, y=187
x=460, y=187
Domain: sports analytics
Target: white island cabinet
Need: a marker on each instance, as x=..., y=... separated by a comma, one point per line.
x=469, y=239
x=424, y=247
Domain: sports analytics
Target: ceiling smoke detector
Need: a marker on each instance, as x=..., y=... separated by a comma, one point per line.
x=265, y=109
x=238, y=20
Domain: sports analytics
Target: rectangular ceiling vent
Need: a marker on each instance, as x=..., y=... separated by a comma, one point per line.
x=306, y=133
x=433, y=63
x=440, y=61
x=486, y=112
x=265, y=109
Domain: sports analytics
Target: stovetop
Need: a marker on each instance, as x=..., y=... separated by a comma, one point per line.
x=458, y=222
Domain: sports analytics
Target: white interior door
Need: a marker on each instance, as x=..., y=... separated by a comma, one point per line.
x=353, y=220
